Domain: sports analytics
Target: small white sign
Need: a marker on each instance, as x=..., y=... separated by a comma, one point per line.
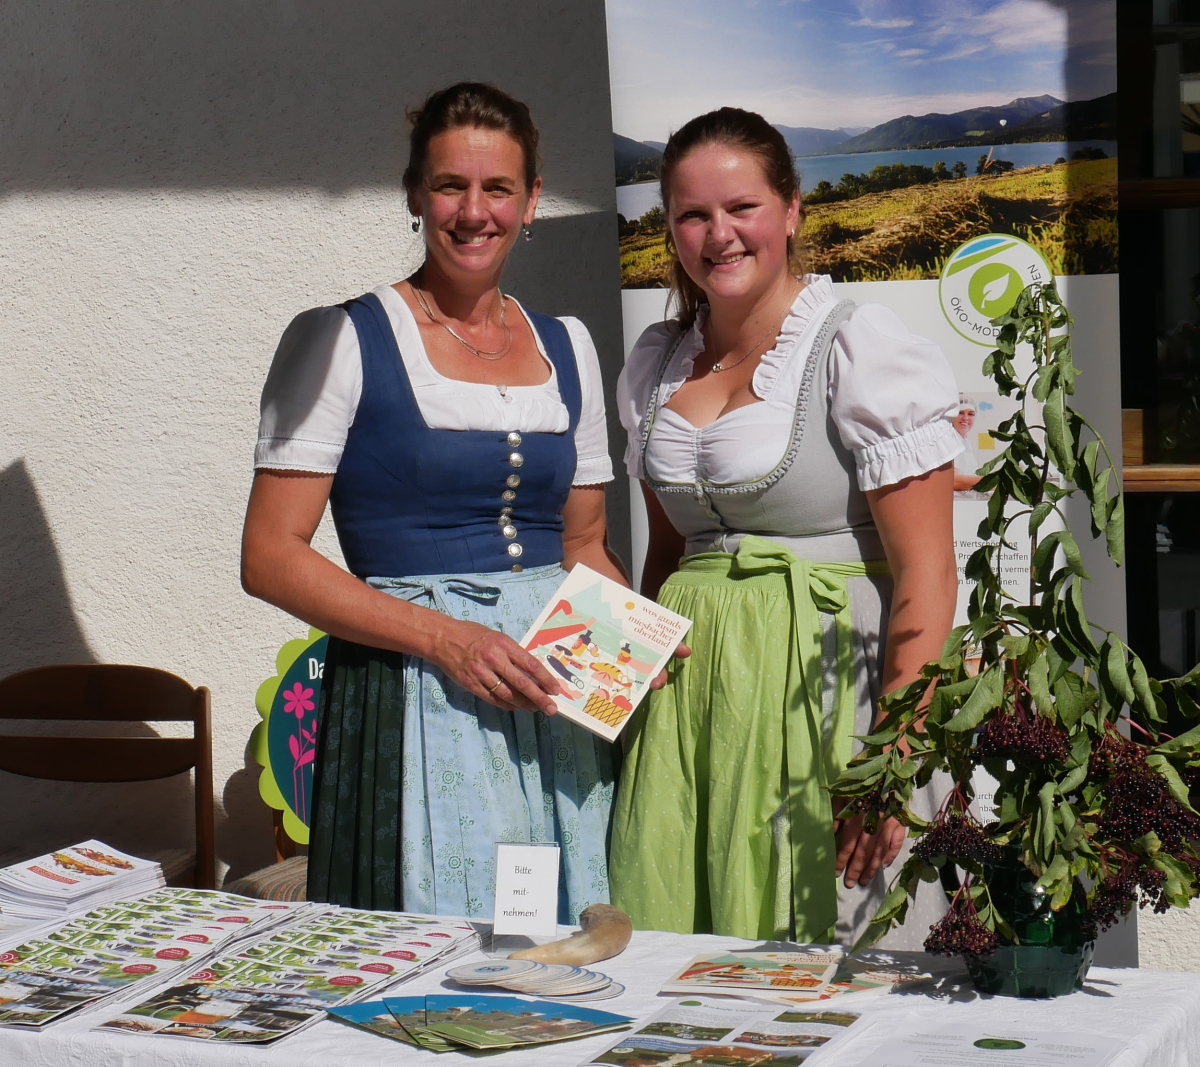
x=526, y=889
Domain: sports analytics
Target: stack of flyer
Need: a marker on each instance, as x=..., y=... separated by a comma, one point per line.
x=289, y=979
x=73, y=879
x=113, y=948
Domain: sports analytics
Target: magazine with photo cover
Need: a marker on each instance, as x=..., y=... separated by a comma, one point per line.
x=409, y=1012
x=489, y=1021
x=33, y=999
x=707, y=1033
x=375, y=1017
x=799, y=974
x=604, y=643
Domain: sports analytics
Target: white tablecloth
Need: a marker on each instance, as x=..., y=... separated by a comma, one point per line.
x=1156, y=1012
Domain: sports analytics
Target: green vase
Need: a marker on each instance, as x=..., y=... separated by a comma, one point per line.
x=1053, y=952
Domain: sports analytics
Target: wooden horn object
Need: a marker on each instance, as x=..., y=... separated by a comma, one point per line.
x=605, y=933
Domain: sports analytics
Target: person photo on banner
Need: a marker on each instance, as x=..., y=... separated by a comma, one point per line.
x=967, y=462
x=459, y=439
x=798, y=453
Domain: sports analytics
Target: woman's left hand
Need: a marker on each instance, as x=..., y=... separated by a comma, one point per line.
x=862, y=855
x=660, y=679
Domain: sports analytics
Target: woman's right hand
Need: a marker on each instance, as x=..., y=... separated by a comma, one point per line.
x=496, y=669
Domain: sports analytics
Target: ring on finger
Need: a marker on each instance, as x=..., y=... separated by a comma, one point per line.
x=498, y=684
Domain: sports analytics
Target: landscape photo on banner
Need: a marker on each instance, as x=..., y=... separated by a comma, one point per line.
x=949, y=156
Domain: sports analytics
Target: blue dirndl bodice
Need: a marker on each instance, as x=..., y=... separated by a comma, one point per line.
x=408, y=499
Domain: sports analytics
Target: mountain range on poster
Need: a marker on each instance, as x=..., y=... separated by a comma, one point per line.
x=1025, y=119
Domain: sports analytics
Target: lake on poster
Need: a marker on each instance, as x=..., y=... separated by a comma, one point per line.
x=633, y=201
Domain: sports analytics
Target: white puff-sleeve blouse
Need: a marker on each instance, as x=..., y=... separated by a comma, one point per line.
x=313, y=388
x=892, y=398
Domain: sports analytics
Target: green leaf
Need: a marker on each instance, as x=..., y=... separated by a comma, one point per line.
x=1046, y=797
x=1039, y=686
x=1183, y=743
x=1077, y=620
x=953, y=642
x=1114, y=532
x=1099, y=495
x=1039, y=515
x=1073, y=780
x=866, y=769
x=984, y=697
x=1113, y=671
x=1071, y=552
x=1055, y=418
x=1165, y=768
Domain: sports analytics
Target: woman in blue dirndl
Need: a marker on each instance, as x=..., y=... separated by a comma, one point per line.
x=459, y=440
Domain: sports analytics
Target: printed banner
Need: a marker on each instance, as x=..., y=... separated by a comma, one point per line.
x=949, y=157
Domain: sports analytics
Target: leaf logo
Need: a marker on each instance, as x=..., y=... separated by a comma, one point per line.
x=983, y=278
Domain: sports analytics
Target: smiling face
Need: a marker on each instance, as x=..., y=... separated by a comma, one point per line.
x=729, y=225
x=964, y=420
x=473, y=200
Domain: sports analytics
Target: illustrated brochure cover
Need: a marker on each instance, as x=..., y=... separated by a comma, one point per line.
x=606, y=643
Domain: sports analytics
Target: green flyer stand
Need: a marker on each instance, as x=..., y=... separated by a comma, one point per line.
x=285, y=742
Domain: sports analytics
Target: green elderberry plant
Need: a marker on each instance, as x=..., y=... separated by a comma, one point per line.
x=1058, y=710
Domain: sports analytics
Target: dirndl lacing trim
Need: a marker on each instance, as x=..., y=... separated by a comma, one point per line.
x=821, y=346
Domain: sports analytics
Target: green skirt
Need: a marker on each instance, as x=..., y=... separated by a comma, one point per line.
x=723, y=823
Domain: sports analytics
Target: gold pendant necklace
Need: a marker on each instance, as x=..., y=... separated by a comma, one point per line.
x=496, y=354
x=721, y=365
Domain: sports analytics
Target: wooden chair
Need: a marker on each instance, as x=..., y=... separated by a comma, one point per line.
x=115, y=693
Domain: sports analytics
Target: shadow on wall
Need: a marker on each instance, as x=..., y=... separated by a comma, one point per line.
x=38, y=627
x=309, y=93
x=37, y=622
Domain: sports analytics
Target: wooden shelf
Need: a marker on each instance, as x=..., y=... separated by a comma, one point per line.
x=1162, y=478
x=1158, y=193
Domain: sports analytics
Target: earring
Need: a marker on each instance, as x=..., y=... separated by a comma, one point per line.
x=416, y=224
x=791, y=233
x=528, y=232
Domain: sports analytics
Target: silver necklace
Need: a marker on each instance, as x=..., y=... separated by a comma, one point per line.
x=496, y=354
x=721, y=365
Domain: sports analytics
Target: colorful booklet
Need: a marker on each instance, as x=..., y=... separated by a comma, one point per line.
x=409, y=1012
x=605, y=643
x=705, y=1033
x=375, y=1017
x=798, y=974
x=507, y=1022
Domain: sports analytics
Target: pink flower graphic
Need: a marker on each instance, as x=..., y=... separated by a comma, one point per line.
x=297, y=701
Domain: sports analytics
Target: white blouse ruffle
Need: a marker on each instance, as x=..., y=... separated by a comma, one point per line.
x=892, y=397
x=315, y=382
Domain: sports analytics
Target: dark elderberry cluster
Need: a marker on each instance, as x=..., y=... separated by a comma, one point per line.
x=959, y=933
x=957, y=836
x=1023, y=736
x=1137, y=800
x=1133, y=882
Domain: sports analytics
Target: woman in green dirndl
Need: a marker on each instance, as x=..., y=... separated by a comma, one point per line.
x=797, y=451
x=460, y=441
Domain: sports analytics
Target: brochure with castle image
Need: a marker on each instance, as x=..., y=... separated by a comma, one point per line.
x=605, y=643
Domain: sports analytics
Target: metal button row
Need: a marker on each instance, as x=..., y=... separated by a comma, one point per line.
x=509, y=495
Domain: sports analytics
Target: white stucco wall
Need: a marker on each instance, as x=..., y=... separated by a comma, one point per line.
x=176, y=182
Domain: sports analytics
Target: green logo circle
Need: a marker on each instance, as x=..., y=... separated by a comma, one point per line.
x=982, y=279
x=999, y=1043
x=994, y=288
